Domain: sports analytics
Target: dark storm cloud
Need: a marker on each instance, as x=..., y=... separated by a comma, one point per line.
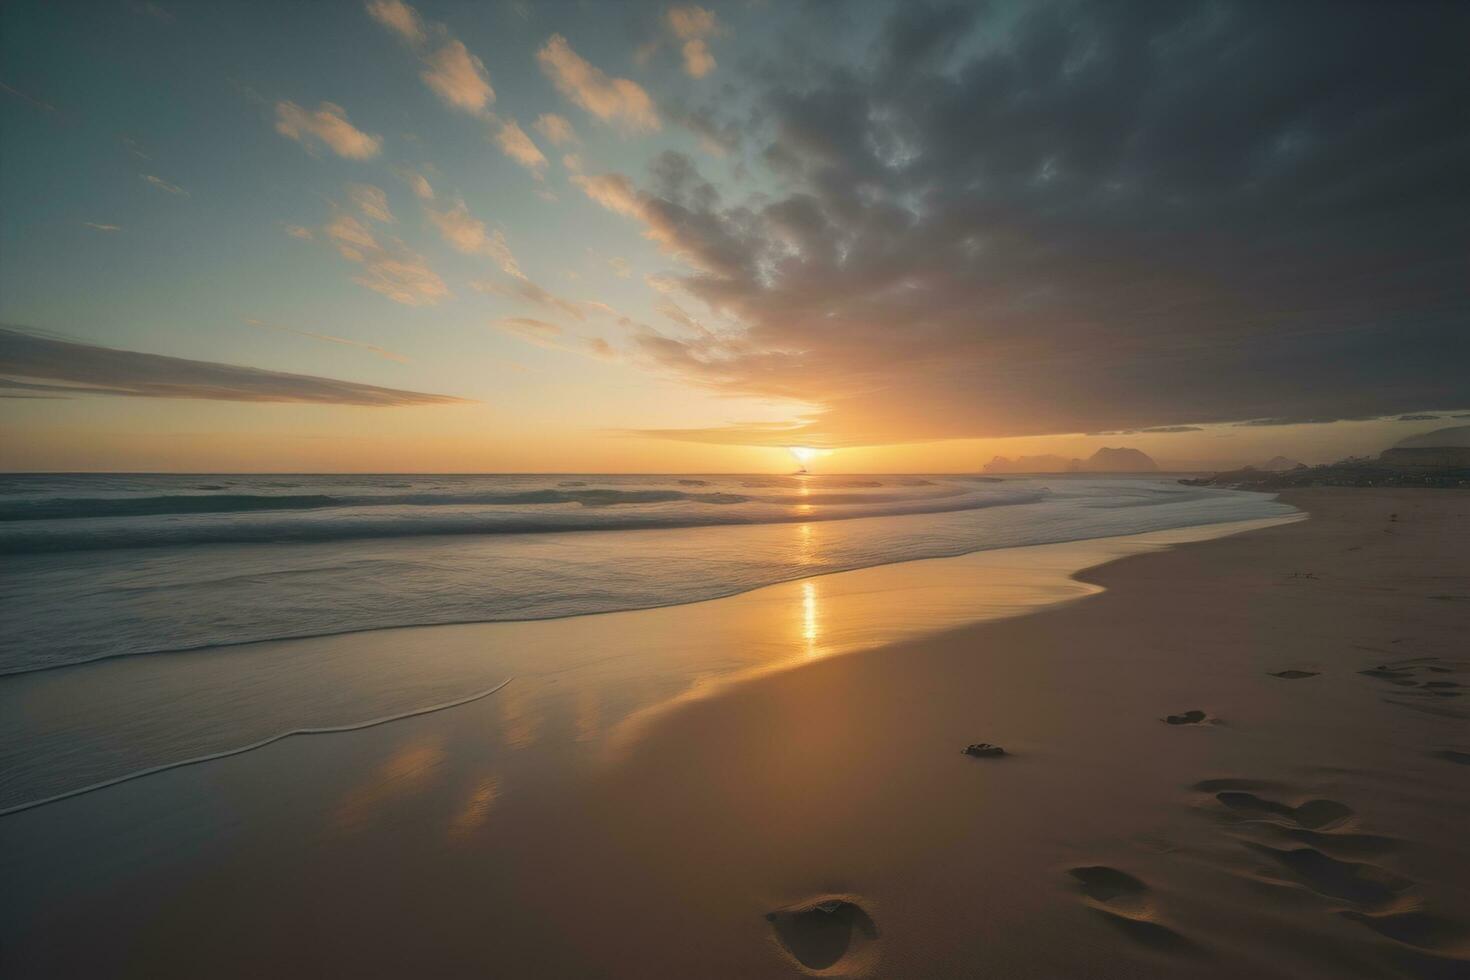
x=59, y=368
x=1101, y=216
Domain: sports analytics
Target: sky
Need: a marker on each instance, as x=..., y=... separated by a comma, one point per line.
x=601, y=237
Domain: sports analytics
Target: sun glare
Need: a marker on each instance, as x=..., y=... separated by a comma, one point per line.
x=802, y=453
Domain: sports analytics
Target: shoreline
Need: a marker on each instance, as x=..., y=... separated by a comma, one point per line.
x=1107, y=841
x=101, y=658
x=165, y=710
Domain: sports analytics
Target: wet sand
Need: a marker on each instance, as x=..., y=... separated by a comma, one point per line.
x=1244, y=757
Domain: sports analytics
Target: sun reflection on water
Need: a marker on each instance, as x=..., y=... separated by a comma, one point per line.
x=811, y=621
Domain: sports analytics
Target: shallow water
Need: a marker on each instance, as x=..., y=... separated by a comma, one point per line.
x=548, y=685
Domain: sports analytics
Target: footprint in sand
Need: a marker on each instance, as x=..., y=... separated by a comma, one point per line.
x=1187, y=718
x=1384, y=900
x=1295, y=675
x=1450, y=755
x=1364, y=885
x=1314, y=814
x=1420, y=684
x=829, y=934
x=1126, y=903
x=1417, y=928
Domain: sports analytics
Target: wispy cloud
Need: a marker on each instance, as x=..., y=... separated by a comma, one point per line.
x=552, y=337
x=468, y=234
x=614, y=192
x=400, y=18
x=61, y=368
x=450, y=70
x=297, y=231
x=416, y=182
x=97, y=227
x=382, y=352
x=615, y=100
x=391, y=269
x=31, y=99
x=515, y=144
x=524, y=289
x=327, y=124
x=371, y=201
x=458, y=77
x=164, y=185
x=528, y=327
x=557, y=129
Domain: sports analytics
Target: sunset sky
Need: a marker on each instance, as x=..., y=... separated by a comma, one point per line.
x=590, y=237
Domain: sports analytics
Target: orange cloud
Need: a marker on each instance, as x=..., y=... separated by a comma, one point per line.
x=557, y=130
x=610, y=99
x=328, y=125
x=393, y=270
x=458, y=78
x=515, y=144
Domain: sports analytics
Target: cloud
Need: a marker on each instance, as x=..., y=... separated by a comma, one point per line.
x=682, y=220
x=96, y=227
x=698, y=62
x=466, y=233
x=691, y=23
x=451, y=71
x=327, y=125
x=391, y=269
x=525, y=326
x=65, y=368
x=164, y=185
x=400, y=18
x=458, y=78
x=620, y=267
x=617, y=100
x=694, y=26
x=29, y=99
x=515, y=144
x=614, y=192
x=557, y=130
x=416, y=182
x=1087, y=222
x=552, y=337
x=296, y=231
x=371, y=201
x=382, y=352
x=524, y=289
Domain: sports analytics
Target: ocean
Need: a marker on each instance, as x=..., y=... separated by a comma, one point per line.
x=103, y=565
x=133, y=607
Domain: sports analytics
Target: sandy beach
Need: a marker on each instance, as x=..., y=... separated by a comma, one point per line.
x=1244, y=756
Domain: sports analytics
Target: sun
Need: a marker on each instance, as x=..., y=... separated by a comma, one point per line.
x=801, y=453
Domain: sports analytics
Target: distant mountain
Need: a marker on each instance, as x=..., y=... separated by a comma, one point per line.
x=1279, y=464
x=1455, y=435
x=1121, y=460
